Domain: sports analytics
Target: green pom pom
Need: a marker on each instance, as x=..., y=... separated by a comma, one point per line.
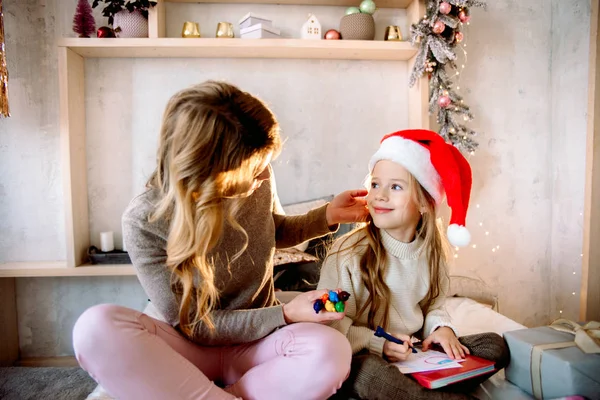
x=352, y=10
x=339, y=306
x=367, y=7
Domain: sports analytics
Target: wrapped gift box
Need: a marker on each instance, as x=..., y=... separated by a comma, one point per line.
x=252, y=19
x=259, y=31
x=565, y=371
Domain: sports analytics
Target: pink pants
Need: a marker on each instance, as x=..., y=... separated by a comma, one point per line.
x=134, y=356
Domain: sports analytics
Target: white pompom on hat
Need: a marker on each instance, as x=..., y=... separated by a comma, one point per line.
x=439, y=167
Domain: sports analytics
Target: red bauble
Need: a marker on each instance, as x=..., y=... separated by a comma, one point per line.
x=445, y=8
x=463, y=16
x=439, y=27
x=105, y=32
x=459, y=37
x=332, y=34
x=444, y=101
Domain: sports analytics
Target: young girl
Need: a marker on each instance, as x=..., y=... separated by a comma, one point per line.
x=201, y=239
x=395, y=267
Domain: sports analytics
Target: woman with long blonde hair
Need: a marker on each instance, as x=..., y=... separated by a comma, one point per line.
x=394, y=267
x=202, y=238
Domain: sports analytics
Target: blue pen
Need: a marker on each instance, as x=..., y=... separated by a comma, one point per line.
x=379, y=332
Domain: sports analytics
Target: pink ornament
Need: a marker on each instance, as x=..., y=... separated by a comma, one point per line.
x=459, y=37
x=332, y=34
x=444, y=101
x=463, y=16
x=439, y=27
x=445, y=8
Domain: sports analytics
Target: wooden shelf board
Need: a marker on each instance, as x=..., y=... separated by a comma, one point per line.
x=59, y=268
x=64, y=361
x=240, y=48
x=342, y=3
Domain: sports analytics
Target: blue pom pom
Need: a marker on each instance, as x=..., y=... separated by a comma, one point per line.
x=333, y=296
x=318, y=306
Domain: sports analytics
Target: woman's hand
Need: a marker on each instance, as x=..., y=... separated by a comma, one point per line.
x=348, y=206
x=397, y=352
x=300, y=309
x=446, y=338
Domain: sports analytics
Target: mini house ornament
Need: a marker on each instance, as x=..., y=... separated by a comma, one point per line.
x=311, y=28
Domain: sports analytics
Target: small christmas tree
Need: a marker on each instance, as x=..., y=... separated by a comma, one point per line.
x=83, y=21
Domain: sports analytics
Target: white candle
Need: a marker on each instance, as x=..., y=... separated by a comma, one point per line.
x=123, y=248
x=107, y=242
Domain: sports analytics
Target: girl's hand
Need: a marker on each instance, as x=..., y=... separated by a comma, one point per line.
x=446, y=338
x=348, y=207
x=300, y=309
x=397, y=352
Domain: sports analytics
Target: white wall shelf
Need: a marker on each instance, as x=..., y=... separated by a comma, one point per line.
x=240, y=48
x=341, y=3
x=59, y=268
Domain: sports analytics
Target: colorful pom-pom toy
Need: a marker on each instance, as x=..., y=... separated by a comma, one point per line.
x=332, y=302
x=343, y=296
x=318, y=306
x=333, y=296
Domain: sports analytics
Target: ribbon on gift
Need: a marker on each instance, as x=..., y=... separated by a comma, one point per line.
x=587, y=338
x=536, y=365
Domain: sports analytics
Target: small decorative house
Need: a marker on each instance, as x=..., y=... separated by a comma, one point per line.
x=311, y=28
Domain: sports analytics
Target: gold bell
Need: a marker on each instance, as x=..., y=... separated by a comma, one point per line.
x=224, y=30
x=190, y=30
x=392, y=33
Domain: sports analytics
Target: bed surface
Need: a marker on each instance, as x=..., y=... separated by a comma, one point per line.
x=470, y=317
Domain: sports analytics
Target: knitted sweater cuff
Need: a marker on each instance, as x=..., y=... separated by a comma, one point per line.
x=277, y=316
x=376, y=345
x=449, y=325
x=435, y=319
x=319, y=215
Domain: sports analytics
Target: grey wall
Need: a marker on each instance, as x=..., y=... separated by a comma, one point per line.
x=570, y=52
x=525, y=78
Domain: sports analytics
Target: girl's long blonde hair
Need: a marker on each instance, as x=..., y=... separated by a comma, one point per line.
x=373, y=263
x=214, y=140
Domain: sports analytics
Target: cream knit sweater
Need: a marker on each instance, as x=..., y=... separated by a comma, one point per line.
x=408, y=279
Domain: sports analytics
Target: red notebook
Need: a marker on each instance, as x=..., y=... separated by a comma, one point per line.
x=471, y=367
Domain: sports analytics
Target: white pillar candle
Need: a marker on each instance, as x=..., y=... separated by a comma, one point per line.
x=107, y=242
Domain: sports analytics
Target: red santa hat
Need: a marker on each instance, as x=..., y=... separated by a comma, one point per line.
x=439, y=167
